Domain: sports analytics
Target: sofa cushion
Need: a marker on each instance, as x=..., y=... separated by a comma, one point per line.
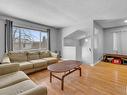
x=17, y=56
x=5, y=59
x=28, y=71
x=38, y=90
x=45, y=54
x=25, y=65
x=33, y=55
x=12, y=78
x=51, y=60
x=18, y=88
x=39, y=63
x=8, y=68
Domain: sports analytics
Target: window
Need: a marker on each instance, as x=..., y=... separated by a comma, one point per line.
x=28, y=39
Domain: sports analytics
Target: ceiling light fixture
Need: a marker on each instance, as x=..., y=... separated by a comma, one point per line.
x=125, y=21
x=86, y=40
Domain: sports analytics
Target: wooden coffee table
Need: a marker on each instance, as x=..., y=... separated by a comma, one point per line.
x=66, y=67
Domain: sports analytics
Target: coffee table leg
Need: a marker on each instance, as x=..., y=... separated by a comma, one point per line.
x=50, y=76
x=62, y=83
x=80, y=71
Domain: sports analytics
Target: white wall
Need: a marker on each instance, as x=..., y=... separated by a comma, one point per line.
x=108, y=42
x=65, y=49
x=2, y=37
x=70, y=42
x=59, y=40
x=85, y=49
x=98, y=42
x=69, y=53
x=78, y=51
x=75, y=43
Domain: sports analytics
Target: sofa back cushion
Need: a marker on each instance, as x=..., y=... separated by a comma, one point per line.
x=45, y=54
x=33, y=55
x=17, y=56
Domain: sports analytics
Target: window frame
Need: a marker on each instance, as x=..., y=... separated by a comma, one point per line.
x=40, y=48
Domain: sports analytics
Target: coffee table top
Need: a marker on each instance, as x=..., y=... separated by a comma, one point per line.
x=64, y=66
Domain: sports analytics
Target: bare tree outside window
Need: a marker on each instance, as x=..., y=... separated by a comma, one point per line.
x=26, y=39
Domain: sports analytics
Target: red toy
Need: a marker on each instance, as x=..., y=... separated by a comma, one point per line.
x=116, y=61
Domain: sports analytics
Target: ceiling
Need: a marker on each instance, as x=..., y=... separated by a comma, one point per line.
x=64, y=13
x=77, y=35
x=112, y=23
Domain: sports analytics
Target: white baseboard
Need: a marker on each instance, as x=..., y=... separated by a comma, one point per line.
x=97, y=62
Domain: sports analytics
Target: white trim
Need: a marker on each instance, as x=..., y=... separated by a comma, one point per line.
x=97, y=62
x=91, y=64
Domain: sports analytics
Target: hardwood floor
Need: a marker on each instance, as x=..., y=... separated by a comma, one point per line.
x=102, y=79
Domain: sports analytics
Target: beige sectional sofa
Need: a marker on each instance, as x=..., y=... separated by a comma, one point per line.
x=15, y=82
x=31, y=61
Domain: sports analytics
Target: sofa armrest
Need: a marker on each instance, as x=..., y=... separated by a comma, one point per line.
x=54, y=54
x=6, y=59
x=39, y=90
x=8, y=68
